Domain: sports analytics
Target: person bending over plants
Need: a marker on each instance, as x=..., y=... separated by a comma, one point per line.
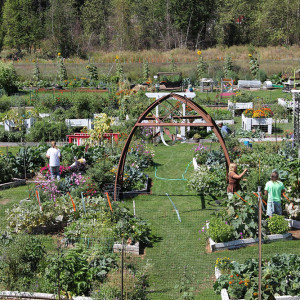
x=274, y=189
x=234, y=179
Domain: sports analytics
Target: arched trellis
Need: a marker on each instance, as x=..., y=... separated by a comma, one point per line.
x=209, y=122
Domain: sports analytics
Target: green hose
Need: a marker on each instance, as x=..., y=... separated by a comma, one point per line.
x=182, y=176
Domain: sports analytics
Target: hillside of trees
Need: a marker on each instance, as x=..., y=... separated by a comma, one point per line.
x=77, y=27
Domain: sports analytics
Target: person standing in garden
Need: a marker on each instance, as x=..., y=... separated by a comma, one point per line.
x=224, y=129
x=234, y=179
x=54, y=156
x=274, y=189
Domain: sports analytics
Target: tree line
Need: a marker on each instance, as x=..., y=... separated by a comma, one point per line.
x=77, y=27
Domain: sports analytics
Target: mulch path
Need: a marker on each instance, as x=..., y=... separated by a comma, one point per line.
x=295, y=233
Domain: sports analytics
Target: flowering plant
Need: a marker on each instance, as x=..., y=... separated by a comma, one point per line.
x=63, y=171
x=263, y=112
x=201, y=153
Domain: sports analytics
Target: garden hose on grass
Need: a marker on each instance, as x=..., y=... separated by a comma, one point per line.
x=177, y=212
x=182, y=176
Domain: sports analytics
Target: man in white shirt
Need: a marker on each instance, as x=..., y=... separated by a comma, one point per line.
x=54, y=156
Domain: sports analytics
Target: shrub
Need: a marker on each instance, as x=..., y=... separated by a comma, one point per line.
x=278, y=225
x=5, y=103
x=77, y=269
x=8, y=78
x=20, y=262
x=219, y=230
x=6, y=174
x=46, y=131
x=11, y=136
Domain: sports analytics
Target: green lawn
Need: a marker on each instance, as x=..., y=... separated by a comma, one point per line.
x=180, y=246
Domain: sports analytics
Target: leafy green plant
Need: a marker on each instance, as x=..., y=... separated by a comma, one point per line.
x=92, y=72
x=209, y=181
x=61, y=68
x=224, y=264
x=228, y=66
x=36, y=71
x=8, y=78
x=146, y=70
x=20, y=262
x=6, y=167
x=185, y=289
x=278, y=225
x=242, y=217
x=201, y=66
x=242, y=281
x=74, y=270
x=219, y=230
x=254, y=66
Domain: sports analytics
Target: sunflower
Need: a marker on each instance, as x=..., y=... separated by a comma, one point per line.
x=58, y=54
x=117, y=57
x=199, y=52
x=250, y=55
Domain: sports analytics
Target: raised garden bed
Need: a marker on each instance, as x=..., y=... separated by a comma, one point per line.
x=265, y=124
x=146, y=190
x=132, y=249
x=14, y=183
x=239, y=105
x=236, y=244
x=28, y=295
x=294, y=224
x=225, y=296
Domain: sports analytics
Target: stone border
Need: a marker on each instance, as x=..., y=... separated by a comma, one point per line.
x=14, y=183
x=225, y=296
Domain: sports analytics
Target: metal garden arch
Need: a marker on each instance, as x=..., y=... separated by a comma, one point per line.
x=159, y=121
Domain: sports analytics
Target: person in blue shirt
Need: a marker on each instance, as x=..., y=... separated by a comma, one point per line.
x=224, y=129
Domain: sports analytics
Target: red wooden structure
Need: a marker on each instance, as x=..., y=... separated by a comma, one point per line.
x=78, y=138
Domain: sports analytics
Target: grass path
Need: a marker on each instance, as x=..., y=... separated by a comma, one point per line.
x=180, y=248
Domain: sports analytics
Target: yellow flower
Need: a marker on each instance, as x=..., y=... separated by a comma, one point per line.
x=199, y=52
x=117, y=57
x=58, y=54
x=250, y=55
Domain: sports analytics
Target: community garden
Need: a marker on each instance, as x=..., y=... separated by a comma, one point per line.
x=160, y=239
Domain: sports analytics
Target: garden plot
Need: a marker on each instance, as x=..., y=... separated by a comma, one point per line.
x=231, y=245
x=279, y=278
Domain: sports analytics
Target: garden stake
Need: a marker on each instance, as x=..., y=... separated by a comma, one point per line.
x=261, y=198
x=284, y=195
x=174, y=207
x=122, y=268
x=83, y=204
x=133, y=203
x=108, y=201
x=240, y=197
x=74, y=207
x=38, y=198
x=259, y=241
